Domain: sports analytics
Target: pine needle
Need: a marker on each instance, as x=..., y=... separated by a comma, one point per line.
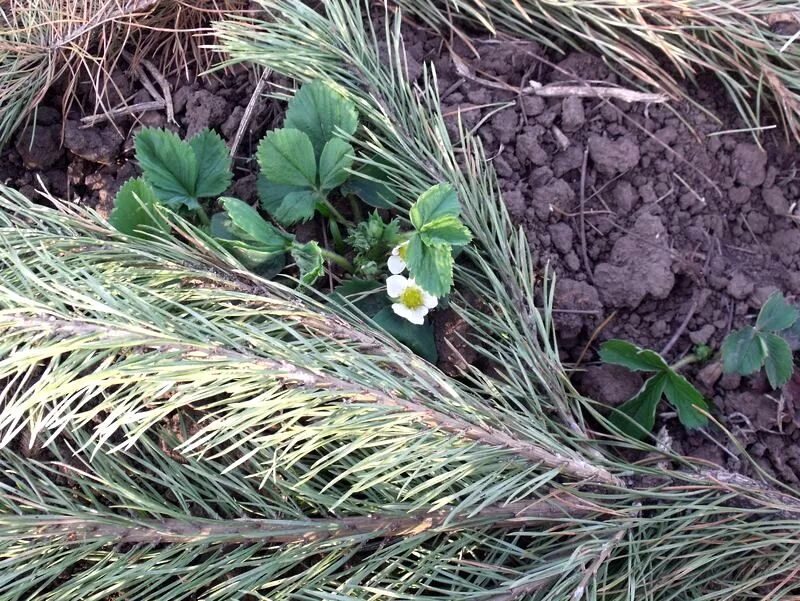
x=194, y=431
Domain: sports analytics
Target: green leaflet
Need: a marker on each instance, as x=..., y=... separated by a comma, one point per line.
x=686, y=399
x=296, y=206
x=266, y=262
x=747, y=350
x=259, y=245
x=368, y=184
x=368, y=295
x=679, y=392
x=431, y=265
x=637, y=416
x=249, y=226
x=309, y=260
x=334, y=162
x=743, y=352
x=271, y=194
x=181, y=172
x=446, y=230
x=438, y=201
x=213, y=164
x=286, y=157
x=776, y=314
x=438, y=229
x=135, y=209
x=622, y=352
x=778, y=363
x=319, y=112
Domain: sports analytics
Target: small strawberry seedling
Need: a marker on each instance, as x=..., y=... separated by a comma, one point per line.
x=747, y=350
x=305, y=165
x=303, y=162
x=637, y=416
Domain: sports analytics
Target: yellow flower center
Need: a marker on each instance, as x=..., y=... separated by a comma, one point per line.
x=402, y=250
x=412, y=297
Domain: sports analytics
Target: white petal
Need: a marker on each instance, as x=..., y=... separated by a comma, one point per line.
x=401, y=310
x=418, y=315
x=415, y=316
x=396, y=264
x=429, y=300
x=396, y=285
x=396, y=250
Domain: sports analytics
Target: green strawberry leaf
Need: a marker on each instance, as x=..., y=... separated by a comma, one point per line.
x=135, y=209
x=319, y=111
x=170, y=166
x=743, y=352
x=437, y=201
x=264, y=260
x=367, y=184
x=336, y=159
x=271, y=194
x=430, y=265
x=213, y=164
x=309, y=260
x=636, y=417
x=792, y=335
x=776, y=314
x=778, y=363
x=621, y=352
x=296, y=206
x=445, y=230
x=420, y=339
x=686, y=399
x=286, y=156
x=248, y=225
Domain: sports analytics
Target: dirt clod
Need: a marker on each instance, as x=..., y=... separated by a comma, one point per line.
x=40, y=146
x=613, y=156
x=204, y=109
x=749, y=164
x=96, y=144
x=640, y=265
x=574, y=300
x=611, y=385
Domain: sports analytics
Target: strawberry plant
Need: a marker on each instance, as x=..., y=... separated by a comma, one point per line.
x=764, y=345
x=304, y=167
x=637, y=416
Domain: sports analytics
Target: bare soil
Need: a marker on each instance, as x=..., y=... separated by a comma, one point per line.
x=661, y=228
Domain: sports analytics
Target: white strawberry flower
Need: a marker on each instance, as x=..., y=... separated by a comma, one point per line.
x=413, y=303
x=397, y=262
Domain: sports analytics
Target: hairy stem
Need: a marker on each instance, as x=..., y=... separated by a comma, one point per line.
x=335, y=212
x=687, y=360
x=338, y=259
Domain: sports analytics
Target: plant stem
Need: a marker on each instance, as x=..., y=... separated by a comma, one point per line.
x=356, y=207
x=203, y=216
x=338, y=259
x=687, y=360
x=335, y=213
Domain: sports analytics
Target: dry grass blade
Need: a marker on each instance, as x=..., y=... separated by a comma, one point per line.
x=47, y=41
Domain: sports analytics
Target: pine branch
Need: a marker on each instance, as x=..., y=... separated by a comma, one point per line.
x=240, y=531
x=294, y=375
